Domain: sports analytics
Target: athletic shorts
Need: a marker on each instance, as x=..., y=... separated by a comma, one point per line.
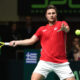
x=62, y=70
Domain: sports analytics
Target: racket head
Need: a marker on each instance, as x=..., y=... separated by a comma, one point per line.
x=2, y=44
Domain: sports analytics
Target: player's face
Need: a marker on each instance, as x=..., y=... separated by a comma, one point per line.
x=51, y=15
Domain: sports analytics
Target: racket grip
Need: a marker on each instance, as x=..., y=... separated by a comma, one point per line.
x=6, y=43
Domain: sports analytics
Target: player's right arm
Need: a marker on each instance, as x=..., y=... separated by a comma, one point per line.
x=24, y=42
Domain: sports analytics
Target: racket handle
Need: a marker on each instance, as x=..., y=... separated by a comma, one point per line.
x=6, y=43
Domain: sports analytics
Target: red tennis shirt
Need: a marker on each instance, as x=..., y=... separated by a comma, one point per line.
x=53, y=43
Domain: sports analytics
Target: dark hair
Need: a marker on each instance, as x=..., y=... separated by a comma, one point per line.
x=50, y=7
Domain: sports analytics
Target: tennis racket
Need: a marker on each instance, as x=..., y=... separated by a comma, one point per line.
x=4, y=44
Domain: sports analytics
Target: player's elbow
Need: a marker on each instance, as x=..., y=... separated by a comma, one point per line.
x=33, y=40
x=31, y=43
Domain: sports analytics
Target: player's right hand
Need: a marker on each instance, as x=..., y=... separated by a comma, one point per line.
x=13, y=43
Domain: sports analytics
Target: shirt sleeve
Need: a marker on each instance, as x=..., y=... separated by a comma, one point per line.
x=38, y=32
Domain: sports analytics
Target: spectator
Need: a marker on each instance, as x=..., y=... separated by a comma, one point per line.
x=74, y=53
x=29, y=28
x=14, y=34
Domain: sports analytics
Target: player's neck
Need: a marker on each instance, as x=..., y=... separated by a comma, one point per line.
x=52, y=23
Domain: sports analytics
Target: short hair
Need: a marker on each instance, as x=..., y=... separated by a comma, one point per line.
x=50, y=7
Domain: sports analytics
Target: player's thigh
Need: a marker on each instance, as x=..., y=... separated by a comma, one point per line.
x=43, y=68
x=64, y=72
x=71, y=78
x=37, y=76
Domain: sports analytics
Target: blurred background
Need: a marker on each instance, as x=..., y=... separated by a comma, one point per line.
x=19, y=19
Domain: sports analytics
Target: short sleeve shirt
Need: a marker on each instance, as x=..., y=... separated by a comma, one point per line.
x=53, y=43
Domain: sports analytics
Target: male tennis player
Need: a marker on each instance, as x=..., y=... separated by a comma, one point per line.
x=53, y=41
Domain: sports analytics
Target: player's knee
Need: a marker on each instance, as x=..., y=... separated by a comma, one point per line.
x=37, y=77
x=33, y=77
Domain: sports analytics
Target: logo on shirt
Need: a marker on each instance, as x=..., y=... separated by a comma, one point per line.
x=44, y=30
x=55, y=28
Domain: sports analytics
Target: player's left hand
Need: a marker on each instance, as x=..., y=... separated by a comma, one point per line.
x=63, y=28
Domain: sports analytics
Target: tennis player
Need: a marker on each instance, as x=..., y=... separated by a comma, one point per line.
x=53, y=41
